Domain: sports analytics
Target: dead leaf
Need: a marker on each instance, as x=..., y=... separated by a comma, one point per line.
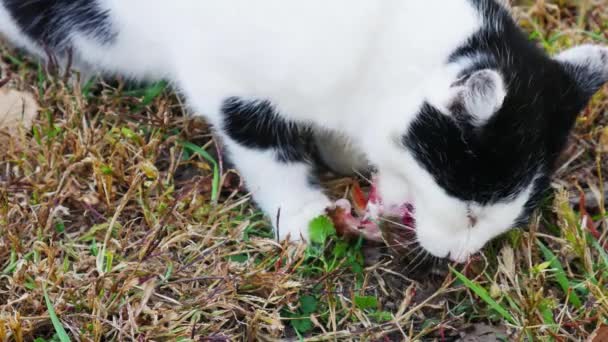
x=495, y=291
x=603, y=145
x=600, y=334
x=410, y=292
x=507, y=261
x=148, y=290
x=17, y=108
x=484, y=333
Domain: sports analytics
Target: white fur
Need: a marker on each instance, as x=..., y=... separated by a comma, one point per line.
x=10, y=30
x=340, y=153
x=359, y=68
x=283, y=190
x=588, y=56
x=483, y=94
x=592, y=58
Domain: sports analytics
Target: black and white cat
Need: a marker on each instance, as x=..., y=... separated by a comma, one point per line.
x=458, y=112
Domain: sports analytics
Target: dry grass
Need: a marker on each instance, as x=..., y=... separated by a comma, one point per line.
x=131, y=234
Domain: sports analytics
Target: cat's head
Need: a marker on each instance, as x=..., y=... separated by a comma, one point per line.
x=481, y=150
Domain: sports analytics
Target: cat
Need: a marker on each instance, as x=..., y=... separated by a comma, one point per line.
x=461, y=116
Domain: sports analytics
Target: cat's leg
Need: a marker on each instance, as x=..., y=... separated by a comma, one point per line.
x=270, y=154
x=339, y=153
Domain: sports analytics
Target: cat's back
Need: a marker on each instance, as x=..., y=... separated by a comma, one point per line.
x=52, y=22
x=300, y=41
x=289, y=24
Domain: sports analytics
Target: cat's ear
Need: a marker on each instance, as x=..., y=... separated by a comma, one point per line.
x=482, y=94
x=587, y=65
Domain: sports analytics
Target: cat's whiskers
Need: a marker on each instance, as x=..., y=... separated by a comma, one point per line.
x=398, y=224
x=421, y=252
x=421, y=262
x=402, y=244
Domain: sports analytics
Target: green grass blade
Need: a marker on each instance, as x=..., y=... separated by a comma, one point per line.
x=147, y=94
x=88, y=86
x=61, y=333
x=41, y=79
x=600, y=249
x=215, y=186
x=484, y=295
x=12, y=264
x=547, y=316
x=595, y=36
x=152, y=92
x=560, y=275
x=14, y=60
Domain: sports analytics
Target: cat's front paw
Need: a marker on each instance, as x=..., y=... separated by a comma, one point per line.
x=293, y=220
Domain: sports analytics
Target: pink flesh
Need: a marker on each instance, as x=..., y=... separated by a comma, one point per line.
x=367, y=226
x=367, y=229
x=403, y=211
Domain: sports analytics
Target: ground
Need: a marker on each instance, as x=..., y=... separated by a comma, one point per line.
x=120, y=221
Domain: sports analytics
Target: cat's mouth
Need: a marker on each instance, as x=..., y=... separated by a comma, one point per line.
x=371, y=219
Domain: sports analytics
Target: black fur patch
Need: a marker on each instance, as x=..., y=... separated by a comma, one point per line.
x=541, y=189
x=50, y=22
x=589, y=80
x=522, y=141
x=467, y=164
x=257, y=125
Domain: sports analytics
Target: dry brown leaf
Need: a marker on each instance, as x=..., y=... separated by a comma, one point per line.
x=17, y=108
x=603, y=145
x=484, y=333
x=600, y=334
x=148, y=290
x=507, y=261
